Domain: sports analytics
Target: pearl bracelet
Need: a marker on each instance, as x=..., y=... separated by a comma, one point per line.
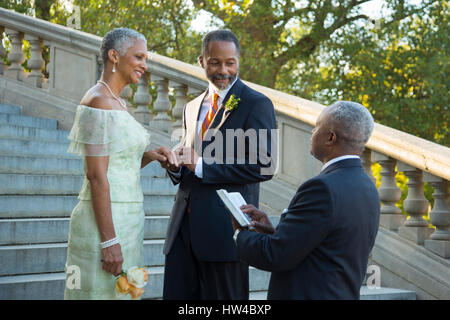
x=109, y=243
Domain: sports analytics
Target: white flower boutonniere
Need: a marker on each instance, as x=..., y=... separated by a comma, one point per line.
x=232, y=103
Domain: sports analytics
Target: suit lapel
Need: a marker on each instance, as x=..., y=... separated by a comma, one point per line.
x=222, y=114
x=192, y=117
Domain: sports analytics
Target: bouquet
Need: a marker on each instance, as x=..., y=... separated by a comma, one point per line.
x=132, y=282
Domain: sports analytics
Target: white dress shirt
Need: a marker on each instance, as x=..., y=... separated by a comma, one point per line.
x=349, y=156
x=202, y=115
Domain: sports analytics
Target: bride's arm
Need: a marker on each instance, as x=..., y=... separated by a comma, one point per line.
x=96, y=173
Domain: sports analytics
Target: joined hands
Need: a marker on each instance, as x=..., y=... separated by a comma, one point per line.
x=173, y=159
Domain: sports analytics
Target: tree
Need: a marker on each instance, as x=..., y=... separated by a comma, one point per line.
x=163, y=22
x=274, y=33
x=399, y=70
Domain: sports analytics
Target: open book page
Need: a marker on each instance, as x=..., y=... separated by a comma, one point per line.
x=233, y=201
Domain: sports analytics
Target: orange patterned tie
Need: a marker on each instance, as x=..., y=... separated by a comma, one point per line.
x=210, y=115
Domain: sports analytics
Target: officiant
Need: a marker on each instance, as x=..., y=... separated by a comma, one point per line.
x=321, y=245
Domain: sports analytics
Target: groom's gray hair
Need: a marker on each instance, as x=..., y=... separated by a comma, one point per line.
x=120, y=39
x=353, y=123
x=219, y=35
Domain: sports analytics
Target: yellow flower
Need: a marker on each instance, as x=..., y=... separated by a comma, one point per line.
x=136, y=292
x=122, y=284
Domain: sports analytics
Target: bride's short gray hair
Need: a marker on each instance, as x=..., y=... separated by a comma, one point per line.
x=120, y=39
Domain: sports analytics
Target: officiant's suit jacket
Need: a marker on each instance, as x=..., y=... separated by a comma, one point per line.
x=209, y=221
x=321, y=245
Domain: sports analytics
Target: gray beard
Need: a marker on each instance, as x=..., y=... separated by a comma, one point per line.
x=228, y=86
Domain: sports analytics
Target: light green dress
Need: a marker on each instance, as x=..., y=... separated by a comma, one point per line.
x=113, y=133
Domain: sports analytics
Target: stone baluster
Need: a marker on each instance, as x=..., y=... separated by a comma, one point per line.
x=3, y=66
x=36, y=63
x=126, y=95
x=391, y=216
x=181, y=100
x=416, y=228
x=16, y=56
x=439, y=241
x=161, y=105
x=143, y=99
x=366, y=159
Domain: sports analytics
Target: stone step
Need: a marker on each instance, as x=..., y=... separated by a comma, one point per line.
x=43, y=164
x=56, y=230
x=20, y=184
x=30, y=147
x=9, y=108
x=51, y=257
x=14, y=131
x=386, y=294
x=26, y=121
x=60, y=206
x=50, y=286
x=365, y=294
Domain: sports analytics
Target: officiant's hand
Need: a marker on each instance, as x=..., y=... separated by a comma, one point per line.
x=187, y=157
x=260, y=220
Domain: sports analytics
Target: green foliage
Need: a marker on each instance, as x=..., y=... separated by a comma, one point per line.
x=319, y=50
x=162, y=22
x=399, y=71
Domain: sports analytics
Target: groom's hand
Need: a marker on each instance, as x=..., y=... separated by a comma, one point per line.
x=260, y=220
x=187, y=157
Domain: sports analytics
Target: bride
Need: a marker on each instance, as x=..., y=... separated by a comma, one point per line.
x=107, y=225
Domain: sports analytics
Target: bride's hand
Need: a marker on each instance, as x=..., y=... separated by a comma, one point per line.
x=167, y=159
x=112, y=259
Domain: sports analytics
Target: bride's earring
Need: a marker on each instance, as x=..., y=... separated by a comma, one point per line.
x=114, y=68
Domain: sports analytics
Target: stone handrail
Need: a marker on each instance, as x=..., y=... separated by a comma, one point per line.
x=395, y=151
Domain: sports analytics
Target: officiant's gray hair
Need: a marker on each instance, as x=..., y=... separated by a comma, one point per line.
x=120, y=39
x=352, y=122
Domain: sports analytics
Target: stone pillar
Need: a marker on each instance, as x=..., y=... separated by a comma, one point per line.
x=439, y=241
x=366, y=159
x=161, y=105
x=391, y=216
x=36, y=63
x=416, y=228
x=181, y=100
x=143, y=99
x=3, y=66
x=16, y=56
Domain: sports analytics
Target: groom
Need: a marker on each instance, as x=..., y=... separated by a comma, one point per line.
x=201, y=261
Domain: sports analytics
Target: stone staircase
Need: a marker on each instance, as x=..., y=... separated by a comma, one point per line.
x=39, y=184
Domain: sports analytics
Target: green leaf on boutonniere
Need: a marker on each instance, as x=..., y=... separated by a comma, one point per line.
x=232, y=103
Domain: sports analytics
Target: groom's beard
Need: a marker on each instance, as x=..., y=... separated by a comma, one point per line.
x=230, y=79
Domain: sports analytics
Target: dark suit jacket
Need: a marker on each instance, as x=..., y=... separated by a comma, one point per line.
x=321, y=245
x=210, y=224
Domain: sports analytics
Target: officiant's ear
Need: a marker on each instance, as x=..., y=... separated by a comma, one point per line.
x=331, y=139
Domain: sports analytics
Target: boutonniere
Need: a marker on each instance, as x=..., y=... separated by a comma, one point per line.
x=232, y=103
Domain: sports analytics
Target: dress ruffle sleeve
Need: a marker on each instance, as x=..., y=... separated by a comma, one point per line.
x=100, y=132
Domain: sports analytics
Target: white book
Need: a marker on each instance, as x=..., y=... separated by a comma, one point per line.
x=233, y=201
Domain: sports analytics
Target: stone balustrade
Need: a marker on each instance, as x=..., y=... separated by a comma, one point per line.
x=73, y=67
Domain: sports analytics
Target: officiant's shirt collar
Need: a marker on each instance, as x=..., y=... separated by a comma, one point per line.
x=338, y=159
